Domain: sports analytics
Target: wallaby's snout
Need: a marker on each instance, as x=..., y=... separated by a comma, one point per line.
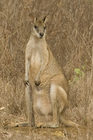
x=41, y=35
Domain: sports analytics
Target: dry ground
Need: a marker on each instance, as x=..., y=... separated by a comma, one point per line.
x=70, y=37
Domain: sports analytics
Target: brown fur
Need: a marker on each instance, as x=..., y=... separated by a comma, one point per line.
x=46, y=86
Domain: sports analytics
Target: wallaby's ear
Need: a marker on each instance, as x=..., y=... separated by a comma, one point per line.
x=32, y=18
x=46, y=18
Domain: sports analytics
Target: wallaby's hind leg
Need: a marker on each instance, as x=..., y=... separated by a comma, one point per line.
x=53, y=99
x=29, y=105
x=59, y=102
x=30, y=113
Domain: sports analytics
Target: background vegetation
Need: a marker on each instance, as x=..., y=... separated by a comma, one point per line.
x=70, y=37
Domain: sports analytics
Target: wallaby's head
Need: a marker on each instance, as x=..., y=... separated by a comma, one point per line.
x=39, y=27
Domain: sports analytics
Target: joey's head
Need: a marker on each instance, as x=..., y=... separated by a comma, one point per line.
x=39, y=27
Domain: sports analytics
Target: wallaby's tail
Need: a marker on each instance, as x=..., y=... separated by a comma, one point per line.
x=67, y=122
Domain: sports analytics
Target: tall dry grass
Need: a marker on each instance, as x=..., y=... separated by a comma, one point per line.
x=70, y=37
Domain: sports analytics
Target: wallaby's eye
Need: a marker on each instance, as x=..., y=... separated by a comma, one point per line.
x=35, y=26
x=45, y=27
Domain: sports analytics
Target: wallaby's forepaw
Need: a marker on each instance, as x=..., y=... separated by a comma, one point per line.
x=37, y=82
x=26, y=83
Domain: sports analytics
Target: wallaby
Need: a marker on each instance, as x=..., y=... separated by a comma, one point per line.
x=46, y=87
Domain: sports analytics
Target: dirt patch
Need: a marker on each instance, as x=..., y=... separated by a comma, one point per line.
x=62, y=133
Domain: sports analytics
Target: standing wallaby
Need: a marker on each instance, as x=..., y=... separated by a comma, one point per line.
x=46, y=87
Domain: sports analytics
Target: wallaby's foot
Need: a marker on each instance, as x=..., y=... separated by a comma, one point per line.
x=48, y=124
x=37, y=82
x=22, y=124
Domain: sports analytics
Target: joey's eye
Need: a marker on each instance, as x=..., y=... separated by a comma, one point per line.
x=35, y=26
x=44, y=27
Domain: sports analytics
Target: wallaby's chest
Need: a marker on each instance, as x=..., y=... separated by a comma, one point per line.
x=35, y=59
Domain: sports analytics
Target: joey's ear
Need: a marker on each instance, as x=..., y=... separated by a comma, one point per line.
x=46, y=18
x=32, y=18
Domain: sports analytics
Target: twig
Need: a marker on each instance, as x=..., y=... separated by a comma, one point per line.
x=3, y=14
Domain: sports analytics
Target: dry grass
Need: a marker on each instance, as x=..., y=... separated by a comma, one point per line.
x=70, y=37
